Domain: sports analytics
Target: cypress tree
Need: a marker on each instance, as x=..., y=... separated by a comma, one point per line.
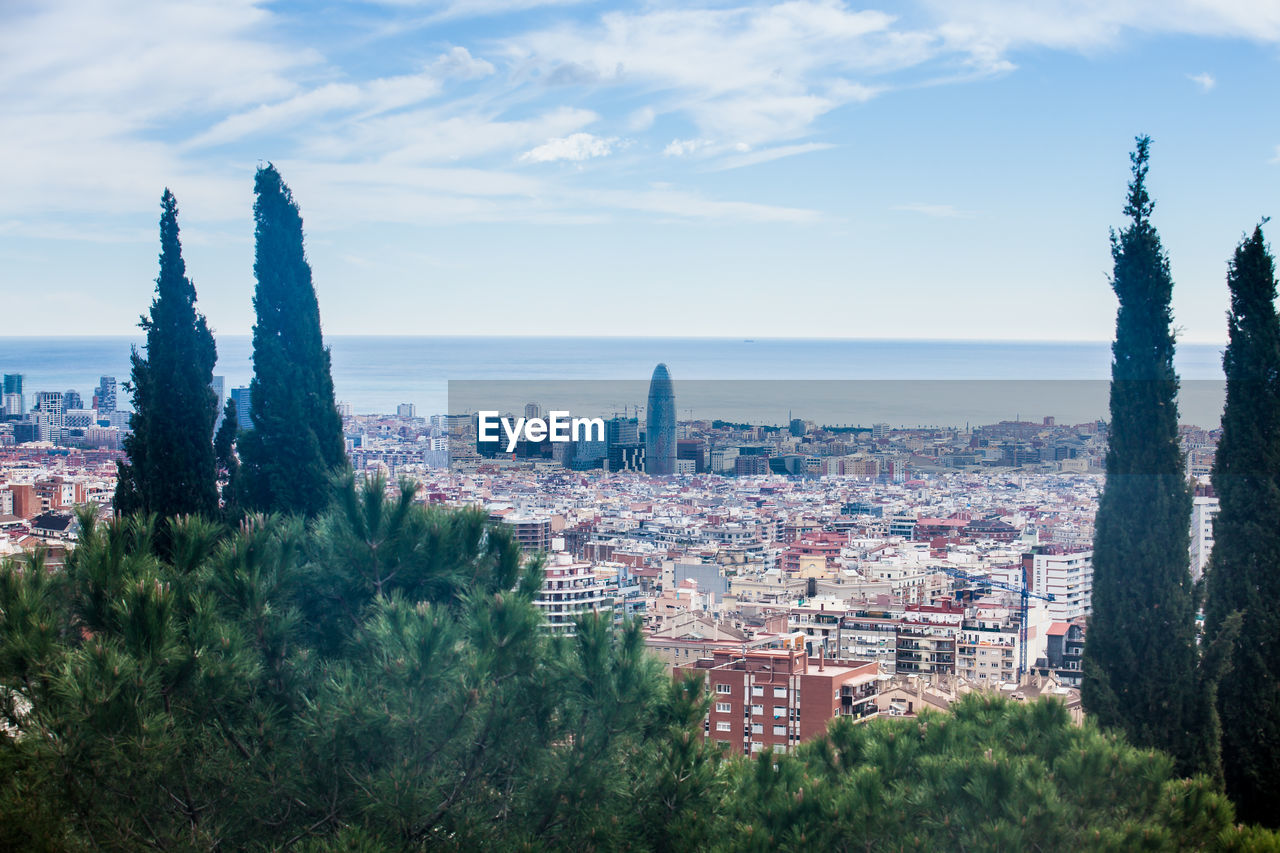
x=1244, y=571
x=295, y=446
x=170, y=468
x=1140, y=657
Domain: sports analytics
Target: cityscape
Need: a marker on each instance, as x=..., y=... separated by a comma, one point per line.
x=906, y=548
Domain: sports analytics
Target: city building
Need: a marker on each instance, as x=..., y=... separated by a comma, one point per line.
x=1066, y=574
x=1204, y=509
x=777, y=698
x=244, y=414
x=569, y=590
x=660, y=425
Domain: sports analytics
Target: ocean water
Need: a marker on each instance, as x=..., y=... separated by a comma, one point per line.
x=375, y=374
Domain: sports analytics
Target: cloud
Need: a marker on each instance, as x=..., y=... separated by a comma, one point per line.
x=766, y=154
x=460, y=64
x=938, y=211
x=684, y=147
x=1204, y=80
x=990, y=28
x=754, y=73
x=576, y=146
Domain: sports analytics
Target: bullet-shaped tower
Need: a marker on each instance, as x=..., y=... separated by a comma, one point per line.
x=660, y=425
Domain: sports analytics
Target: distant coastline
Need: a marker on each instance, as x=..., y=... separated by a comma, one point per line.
x=375, y=373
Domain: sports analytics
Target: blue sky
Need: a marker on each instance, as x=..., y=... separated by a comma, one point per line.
x=808, y=168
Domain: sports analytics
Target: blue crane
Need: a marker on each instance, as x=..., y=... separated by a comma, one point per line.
x=1022, y=591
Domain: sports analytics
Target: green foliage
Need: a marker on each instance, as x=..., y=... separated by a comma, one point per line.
x=381, y=678
x=992, y=774
x=1141, y=662
x=1244, y=575
x=170, y=468
x=296, y=444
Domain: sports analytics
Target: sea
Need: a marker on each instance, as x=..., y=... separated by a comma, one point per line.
x=762, y=380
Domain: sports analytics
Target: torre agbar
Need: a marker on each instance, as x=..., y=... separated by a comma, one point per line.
x=660, y=425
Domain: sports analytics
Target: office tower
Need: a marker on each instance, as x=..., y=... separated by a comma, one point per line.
x=49, y=404
x=14, y=401
x=105, y=396
x=621, y=431
x=244, y=420
x=532, y=410
x=406, y=410
x=219, y=386
x=71, y=400
x=660, y=425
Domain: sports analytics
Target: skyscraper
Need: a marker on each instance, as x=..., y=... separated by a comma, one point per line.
x=105, y=395
x=14, y=402
x=244, y=420
x=660, y=425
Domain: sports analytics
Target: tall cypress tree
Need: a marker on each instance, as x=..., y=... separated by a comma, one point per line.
x=290, y=455
x=1244, y=571
x=1140, y=656
x=170, y=469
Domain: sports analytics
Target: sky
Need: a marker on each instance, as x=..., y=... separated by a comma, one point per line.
x=943, y=169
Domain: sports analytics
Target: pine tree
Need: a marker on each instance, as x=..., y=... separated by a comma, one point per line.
x=1244, y=572
x=1140, y=658
x=170, y=468
x=296, y=445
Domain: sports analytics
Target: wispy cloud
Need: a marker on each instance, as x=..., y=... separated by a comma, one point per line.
x=1204, y=80
x=767, y=154
x=938, y=211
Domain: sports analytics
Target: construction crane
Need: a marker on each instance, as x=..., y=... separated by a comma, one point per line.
x=1023, y=591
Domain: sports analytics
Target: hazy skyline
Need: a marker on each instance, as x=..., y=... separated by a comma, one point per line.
x=930, y=169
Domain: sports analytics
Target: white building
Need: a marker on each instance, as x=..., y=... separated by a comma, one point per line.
x=1067, y=575
x=569, y=590
x=1203, y=512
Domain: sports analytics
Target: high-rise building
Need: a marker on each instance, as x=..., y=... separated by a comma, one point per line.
x=660, y=425
x=1067, y=575
x=49, y=404
x=219, y=386
x=71, y=400
x=13, y=383
x=1204, y=508
x=104, y=398
x=619, y=431
x=244, y=420
x=406, y=410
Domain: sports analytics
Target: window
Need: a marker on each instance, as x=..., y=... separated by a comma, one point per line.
x=779, y=711
x=757, y=709
x=779, y=730
x=779, y=693
x=724, y=688
x=757, y=728
x=723, y=707
x=757, y=690
x=755, y=746
x=723, y=726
